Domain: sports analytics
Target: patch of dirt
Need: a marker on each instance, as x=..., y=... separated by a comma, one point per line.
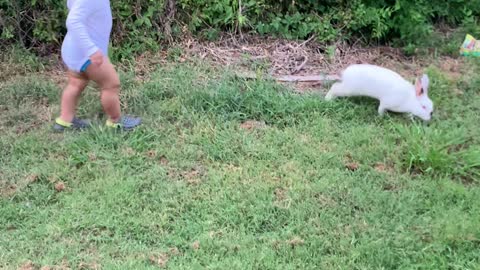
x=282, y=199
x=173, y=173
x=296, y=241
x=151, y=154
x=58, y=76
x=196, y=245
x=60, y=186
x=128, y=152
x=164, y=161
x=276, y=244
x=383, y=168
x=281, y=194
x=174, y=251
x=148, y=62
x=92, y=156
x=304, y=87
x=28, y=265
x=392, y=187
x=43, y=110
x=8, y=190
x=351, y=164
x=160, y=260
x=380, y=167
x=88, y=266
x=32, y=178
x=193, y=176
x=65, y=266
x=423, y=233
x=451, y=67
x=215, y=234
x=253, y=125
x=34, y=115
x=325, y=200
x=232, y=168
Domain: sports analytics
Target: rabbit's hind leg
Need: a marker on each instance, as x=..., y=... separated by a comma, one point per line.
x=381, y=109
x=334, y=92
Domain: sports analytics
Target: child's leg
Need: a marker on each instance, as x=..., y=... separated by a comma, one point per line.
x=107, y=79
x=70, y=96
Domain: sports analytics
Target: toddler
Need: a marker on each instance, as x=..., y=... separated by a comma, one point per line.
x=85, y=53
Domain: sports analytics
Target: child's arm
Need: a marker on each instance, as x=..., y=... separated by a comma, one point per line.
x=76, y=19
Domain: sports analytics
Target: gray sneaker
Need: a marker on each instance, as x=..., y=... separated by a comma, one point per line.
x=76, y=124
x=126, y=123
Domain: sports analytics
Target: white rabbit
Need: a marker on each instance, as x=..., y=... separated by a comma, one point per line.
x=394, y=92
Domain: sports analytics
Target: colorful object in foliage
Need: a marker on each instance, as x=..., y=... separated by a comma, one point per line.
x=470, y=47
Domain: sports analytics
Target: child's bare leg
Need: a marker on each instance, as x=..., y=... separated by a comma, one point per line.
x=107, y=79
x=70, y=96
x=109, y=83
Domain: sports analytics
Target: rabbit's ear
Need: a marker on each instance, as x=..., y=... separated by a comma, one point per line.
x=421, y=86
x=418, y=87
x=425, y=83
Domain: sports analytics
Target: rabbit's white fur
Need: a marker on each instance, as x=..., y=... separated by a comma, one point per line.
x=394, y=92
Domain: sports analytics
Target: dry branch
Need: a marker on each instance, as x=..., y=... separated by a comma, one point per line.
x=291, y=78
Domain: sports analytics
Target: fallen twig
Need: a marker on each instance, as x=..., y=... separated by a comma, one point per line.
x=308, y=78
x=292, y=78
x=300, y=67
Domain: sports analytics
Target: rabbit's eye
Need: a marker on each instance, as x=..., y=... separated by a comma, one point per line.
x=424, y=107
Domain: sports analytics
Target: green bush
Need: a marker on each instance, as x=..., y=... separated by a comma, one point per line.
x=41, y=24
x=139, y=24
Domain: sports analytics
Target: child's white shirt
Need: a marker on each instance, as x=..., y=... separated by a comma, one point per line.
x=89, y=24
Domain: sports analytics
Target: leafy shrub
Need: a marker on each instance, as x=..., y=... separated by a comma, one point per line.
x=138, y=25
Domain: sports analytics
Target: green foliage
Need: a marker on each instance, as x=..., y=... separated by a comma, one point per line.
x=138, y=24
x=32, y=22
x=41, y=24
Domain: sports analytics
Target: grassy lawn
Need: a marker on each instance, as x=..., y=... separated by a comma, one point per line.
x=305, y=184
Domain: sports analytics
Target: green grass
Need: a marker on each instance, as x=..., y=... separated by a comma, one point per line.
x=191, y=189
